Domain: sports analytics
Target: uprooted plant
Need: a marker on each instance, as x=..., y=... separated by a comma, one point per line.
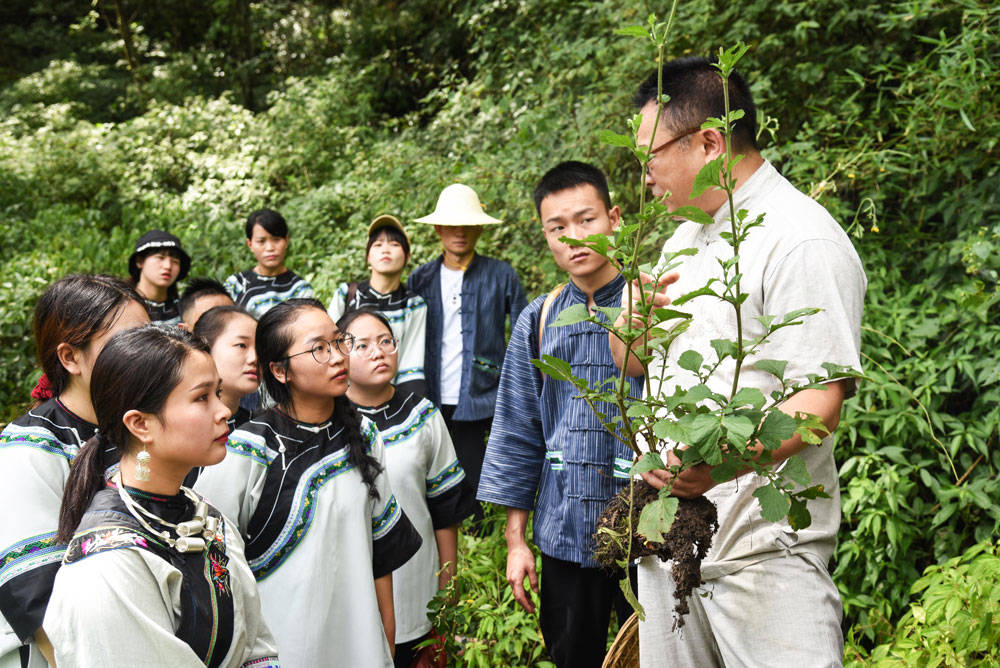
x=733, y=431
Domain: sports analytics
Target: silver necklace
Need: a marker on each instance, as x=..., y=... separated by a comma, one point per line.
x=191, y=534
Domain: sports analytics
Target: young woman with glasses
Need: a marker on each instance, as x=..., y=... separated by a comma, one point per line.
x=423, y=470
x=305, y=482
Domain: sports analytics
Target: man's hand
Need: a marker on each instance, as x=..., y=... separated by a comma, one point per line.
x=655, y=292
x=690, y=483
x=656, y=297
x=521, y=564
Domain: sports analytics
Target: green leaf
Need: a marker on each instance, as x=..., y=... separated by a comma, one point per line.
x=610, y=312
x=571, y=315
x=704, y=290
x=554, y=367
x=690, y=360
x=808, y=425
x=632, y=31
x=665, y=314
x=705, y=432
x=748, y=396
x=724, y=348
x=708, y=177
x=614, y=139
x=693, y=214
x=726, y=471
x=657, y=518
x=777, y=427
x=738, y=429
x=799, y=313
x=773, y=503
x=670, y=431
x=638, y=410
x=630, y=597
x=798, y=515
x=695, y=395
x=773, y=367
x=650, y=461
x=796, y=471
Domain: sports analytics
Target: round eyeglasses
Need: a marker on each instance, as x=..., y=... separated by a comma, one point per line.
x=386, y=344
x=322, y=351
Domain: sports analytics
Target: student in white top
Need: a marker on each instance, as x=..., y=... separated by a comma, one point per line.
x=423, y=470
x=388, y=253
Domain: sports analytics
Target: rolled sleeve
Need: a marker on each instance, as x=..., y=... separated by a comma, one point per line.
x=515, y=453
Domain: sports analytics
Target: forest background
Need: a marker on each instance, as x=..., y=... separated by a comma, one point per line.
x=117, y=116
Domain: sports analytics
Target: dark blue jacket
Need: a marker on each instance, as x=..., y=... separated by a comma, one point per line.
x=490, y=293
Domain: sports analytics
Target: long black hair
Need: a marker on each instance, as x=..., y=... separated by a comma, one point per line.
x=136, y=370
x=275, y=335
x=73, y=310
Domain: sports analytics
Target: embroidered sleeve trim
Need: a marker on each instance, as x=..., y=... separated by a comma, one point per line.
x=104, y=539
x=29, y=554
x=245, y=444
x=36, y=437
x=450, y=477
x=262, y=662
x=387, y=519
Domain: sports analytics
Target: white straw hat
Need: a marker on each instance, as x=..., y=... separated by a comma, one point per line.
x=458, y=205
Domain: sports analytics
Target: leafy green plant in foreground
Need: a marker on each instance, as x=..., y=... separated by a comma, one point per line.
x=733, y=430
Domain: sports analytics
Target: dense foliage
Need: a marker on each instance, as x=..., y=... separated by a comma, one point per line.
x=118, y=116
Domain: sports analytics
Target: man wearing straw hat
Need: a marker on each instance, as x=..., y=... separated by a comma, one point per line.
x=468, y=297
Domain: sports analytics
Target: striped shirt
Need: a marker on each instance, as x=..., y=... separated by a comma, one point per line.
x=547, y=448
x=258, y=294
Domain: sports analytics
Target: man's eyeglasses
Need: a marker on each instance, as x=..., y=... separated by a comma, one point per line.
x=386, y=344
x=657, y=149
x=322, y=351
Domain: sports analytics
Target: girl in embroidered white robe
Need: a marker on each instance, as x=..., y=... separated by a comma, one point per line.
x=423, y=470
x=305, y=482
x=153, y=576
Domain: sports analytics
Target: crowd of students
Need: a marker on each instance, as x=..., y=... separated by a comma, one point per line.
x=212, y=475
x=258, y=474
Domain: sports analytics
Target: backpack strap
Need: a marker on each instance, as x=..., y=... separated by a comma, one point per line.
x=352, y=292
x=546, y=305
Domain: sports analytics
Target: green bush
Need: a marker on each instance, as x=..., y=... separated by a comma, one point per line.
x=954, y=622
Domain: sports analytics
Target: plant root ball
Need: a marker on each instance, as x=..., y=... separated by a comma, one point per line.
x=687, y=542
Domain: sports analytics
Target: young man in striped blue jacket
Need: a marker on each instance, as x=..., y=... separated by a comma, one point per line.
x=547, y=450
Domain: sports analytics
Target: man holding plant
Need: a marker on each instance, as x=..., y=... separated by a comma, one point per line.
x=547, y=449
x=767, y=597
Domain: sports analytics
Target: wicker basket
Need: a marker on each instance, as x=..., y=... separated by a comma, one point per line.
x=624, y=651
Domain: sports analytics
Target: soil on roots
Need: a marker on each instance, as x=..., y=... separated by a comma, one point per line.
x=687, y=542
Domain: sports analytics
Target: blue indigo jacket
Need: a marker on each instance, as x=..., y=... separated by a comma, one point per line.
x=490, y=292
x=547, y=449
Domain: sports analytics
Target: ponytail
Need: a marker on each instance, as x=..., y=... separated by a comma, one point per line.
x=116, y=387
x=357, y=447
x=86, y=479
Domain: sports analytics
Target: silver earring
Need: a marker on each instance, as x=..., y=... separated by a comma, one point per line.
x=142, y=465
